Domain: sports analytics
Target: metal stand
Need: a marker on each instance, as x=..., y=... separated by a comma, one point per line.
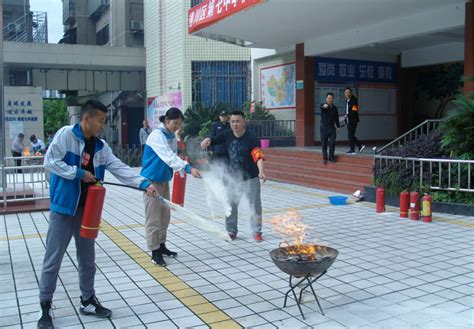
x=305, y=282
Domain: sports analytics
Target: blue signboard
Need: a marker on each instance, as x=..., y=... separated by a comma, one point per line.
x=349, y=70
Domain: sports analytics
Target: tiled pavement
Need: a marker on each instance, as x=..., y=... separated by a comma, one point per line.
x=390, y=273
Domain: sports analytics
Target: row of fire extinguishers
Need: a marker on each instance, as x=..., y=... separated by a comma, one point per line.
x=95, y=201
x=409, y=205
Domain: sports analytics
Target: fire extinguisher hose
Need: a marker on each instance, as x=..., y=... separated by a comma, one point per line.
x=186, y=215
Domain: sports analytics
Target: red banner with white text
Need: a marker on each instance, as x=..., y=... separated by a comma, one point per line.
x=211, y=11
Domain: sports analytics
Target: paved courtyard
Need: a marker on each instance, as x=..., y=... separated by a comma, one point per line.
x=390, y=272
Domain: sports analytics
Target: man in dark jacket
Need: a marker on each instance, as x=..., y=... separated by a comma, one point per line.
x=329, y=122
x=352, y=118
x=219, y=152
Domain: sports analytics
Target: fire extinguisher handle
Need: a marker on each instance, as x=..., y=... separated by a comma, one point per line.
x=132, y=187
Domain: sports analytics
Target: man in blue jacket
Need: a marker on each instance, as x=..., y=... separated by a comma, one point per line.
x=77, y=158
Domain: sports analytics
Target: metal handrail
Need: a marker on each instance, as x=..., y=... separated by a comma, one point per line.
x=425, y=127
x=272, y=128
x=25, y=182
x=442, y=171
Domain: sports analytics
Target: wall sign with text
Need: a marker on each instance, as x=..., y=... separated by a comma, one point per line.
x=348, y=70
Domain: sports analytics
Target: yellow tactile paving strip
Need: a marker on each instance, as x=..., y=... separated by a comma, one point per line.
x=200, y=306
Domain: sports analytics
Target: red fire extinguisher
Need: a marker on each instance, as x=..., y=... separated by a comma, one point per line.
x=404, y=203
x=426, y=212
x=179, y=187
x=380, y=200
x=92, y=212
x=414, y=206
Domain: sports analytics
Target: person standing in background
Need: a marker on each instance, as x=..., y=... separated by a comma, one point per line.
x=219, y=152
x=328, y=125
x=145, y=131
x=352, y=119
x=17, y=148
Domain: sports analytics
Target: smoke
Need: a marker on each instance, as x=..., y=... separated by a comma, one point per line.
x=223, y=188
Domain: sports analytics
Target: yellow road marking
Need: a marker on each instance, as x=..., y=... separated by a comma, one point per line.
x=193, y=300
x=20, y=237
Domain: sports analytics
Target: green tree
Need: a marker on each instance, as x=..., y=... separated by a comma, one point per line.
x=441, y=83
x=199, y=116
x=458, y=128
x=261, y=113
x=55, y=114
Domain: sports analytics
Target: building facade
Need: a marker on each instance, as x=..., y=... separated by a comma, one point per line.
x=380, y=49
x=203, y=70
x=113, y=24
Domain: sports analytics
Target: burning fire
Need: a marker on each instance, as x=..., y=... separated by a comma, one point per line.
x=293, y=232
x=26, y=152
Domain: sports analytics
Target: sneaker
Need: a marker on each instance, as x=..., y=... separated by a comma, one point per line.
x=93, y=307
x=232, y=235
x=258, y=237
x=165, y=251
x=332, y=160
x=45, y=317
x=361, y=148
x=351, y=152
x=157, y=258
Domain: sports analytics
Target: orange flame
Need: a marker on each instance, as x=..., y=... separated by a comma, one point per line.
x=26, y=152
x=293, y=232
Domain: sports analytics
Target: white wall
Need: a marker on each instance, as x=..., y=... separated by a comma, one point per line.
x=257, y=53
x=23, y=94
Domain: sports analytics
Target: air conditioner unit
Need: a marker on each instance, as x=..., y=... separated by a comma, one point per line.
x=136, y=26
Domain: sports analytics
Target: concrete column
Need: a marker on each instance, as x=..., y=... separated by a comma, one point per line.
x=304, y=98
x=74, y=113
x=469, y=46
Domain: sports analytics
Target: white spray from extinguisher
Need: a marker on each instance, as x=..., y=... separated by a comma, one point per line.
x=187, y=216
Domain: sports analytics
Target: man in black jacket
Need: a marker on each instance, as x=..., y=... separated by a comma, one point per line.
x=329, y=122
x=352, y=118
x=219, y=152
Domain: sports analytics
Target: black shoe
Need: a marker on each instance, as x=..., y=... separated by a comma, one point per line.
x=325, y=161
x=361, y=148
x=93, y=307
x=46, y=320
x=351, y=152
x=232, y=235
x=332, y=160
x=157, y=258
x=165, y=251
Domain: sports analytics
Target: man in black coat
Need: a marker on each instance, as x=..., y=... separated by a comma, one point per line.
x=219, y=152
x=352, y=119
x=329, y=124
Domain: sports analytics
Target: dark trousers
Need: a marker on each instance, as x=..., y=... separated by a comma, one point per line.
x=351, y=130
x=18, y=162
x=328, y=134
x=61, y=229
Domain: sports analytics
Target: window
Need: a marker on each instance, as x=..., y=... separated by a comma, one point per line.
x=220, y=81
x=102, y=37
x=196, y=2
